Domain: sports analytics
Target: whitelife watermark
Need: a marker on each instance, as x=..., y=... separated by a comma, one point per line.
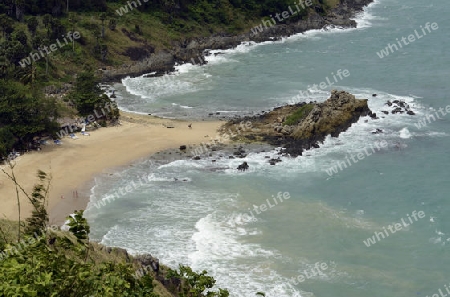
x=109, y=106
x=280, y=16
x=35, y=56
x=422, y=123
x=430, y=27
x=123, y=191
x=394, y=228
x=355, y=158
x=204, y=147
x=441, y=294
x=131, y=5
x=303, y=95
x=18, y=248
x=163, y=79
x=317, y=270
x=249, y=216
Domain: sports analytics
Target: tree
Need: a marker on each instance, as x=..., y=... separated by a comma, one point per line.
x=4, y=64
x=112, y=24
x=6, y=24
x=21, y=37
x=195, y=284
x=73, y=19
x=102, y=19
x=57, y=29
x=47, y=20
x=79, y=225
x=88, y=97
x=39, y=217
x=15, y=51
x=25, y=113
x=32, y=24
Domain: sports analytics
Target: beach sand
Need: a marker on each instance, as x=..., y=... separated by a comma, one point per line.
x=74, y=164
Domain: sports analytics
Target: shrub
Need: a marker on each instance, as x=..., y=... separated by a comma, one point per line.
x=298, y=115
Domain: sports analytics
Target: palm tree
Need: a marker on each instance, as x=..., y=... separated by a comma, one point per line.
x=73, y=20
x=103, y=18
x=29, y=77
x=4, y=63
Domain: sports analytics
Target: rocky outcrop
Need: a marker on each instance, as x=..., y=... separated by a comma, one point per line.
x=399, y=106
x=331, y=117
x=313, y=122
x=193, y=50
x=148, y=262
x=160, y=63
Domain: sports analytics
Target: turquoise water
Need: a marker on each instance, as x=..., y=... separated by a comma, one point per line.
x=202, y=218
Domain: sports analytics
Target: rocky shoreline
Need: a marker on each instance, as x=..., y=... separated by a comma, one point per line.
x=196, y=48
x=303, y=126
x=270, y=133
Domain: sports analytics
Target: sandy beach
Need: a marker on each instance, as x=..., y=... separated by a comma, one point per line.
x=74, y=164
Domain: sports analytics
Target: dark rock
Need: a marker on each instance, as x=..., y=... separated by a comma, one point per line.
x=148, y=261
x=385, y=112
x=397, y=110
x=231, y=157
x=389, y=103
x=277, y=160
x=182, y=147
x=196, y=158
x=374, y=95
x=410, y=112
x=377, y=131
x=243, y=167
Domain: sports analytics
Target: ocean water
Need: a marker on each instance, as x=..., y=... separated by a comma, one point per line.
x=201, y=213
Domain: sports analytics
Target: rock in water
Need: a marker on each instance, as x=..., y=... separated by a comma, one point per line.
x=244, y=166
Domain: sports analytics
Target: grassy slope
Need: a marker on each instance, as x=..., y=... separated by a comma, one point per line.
x=98, y=253
x=64, y=63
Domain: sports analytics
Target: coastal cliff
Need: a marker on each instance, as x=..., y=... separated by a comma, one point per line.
x=303, y=125
x=194, y=49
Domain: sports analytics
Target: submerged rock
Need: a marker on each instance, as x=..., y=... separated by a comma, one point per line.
x=243, y=167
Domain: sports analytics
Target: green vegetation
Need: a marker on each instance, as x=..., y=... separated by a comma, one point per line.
x=26, y=113
x=112, y=33
x=88, y=98
x=298, y=115
x=44, y=261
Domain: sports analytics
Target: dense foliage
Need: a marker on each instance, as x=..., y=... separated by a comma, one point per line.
x=110, y=32
x=24, y=113
x=45, y=261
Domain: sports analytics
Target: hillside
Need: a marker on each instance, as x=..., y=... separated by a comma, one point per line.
x=113, y=33
x=53, y=54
